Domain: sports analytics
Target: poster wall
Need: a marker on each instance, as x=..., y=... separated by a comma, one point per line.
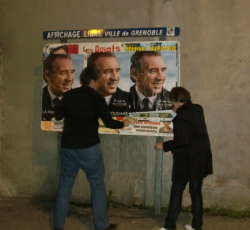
x=135, y=80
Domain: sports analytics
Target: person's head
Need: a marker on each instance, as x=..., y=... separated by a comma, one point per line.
x=179, y=96
x=89, y=76
x=58, y=73
x=147, y=71
x=60, y=50
x=108, y=69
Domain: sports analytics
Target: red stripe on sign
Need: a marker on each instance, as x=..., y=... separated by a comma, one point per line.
x=73, y=49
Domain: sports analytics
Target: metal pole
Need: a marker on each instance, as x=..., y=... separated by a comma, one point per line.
x=158, y=177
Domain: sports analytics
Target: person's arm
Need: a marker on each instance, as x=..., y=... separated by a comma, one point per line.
x=107, y=118
x=181, y=137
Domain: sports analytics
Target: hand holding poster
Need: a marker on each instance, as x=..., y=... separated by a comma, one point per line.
x=133, y=77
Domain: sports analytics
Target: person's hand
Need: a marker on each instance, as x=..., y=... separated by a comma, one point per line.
x=159, y=146
x=126, y=122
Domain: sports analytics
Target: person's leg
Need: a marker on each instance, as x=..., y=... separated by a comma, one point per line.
x=197, y=203
x=174, y=203
x=92, y=164
x=69, y=170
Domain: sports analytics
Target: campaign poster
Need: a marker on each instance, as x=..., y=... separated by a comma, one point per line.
x=136, y=78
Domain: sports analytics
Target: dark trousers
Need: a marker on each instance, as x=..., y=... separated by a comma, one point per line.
x=176, y=201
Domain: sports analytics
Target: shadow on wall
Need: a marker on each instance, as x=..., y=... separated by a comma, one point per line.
x=45, y=156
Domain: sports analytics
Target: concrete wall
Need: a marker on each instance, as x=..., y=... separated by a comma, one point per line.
x=214, y=67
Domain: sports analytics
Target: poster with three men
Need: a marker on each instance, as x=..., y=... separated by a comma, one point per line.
x=134, y=78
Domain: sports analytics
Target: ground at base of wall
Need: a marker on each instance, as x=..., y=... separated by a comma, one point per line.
x=29, y=214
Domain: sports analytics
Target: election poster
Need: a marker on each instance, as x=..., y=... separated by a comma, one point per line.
x=135, y=80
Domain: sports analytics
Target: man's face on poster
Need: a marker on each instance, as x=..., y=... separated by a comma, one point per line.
x=62, y=78
x=152, y=76
x=109, y=75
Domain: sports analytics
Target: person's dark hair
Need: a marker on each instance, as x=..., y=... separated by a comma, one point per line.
x=179, y=94
x=136, y=63
x=92, y=59
x=88, y=74
x=64, y=47
x=48, y=63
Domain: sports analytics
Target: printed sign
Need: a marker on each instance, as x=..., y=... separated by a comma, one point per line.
x=111, y=33
x=137, y=81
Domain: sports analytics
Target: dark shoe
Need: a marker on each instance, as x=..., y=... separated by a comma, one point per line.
x=58, y=228
x=111, y=227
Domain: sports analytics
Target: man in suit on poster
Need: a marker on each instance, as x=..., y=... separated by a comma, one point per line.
x=58, y=73
x=147, y=71
x=109, y=76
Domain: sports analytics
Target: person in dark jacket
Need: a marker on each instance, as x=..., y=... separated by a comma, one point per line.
x=192, y=157
x=81, y=108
